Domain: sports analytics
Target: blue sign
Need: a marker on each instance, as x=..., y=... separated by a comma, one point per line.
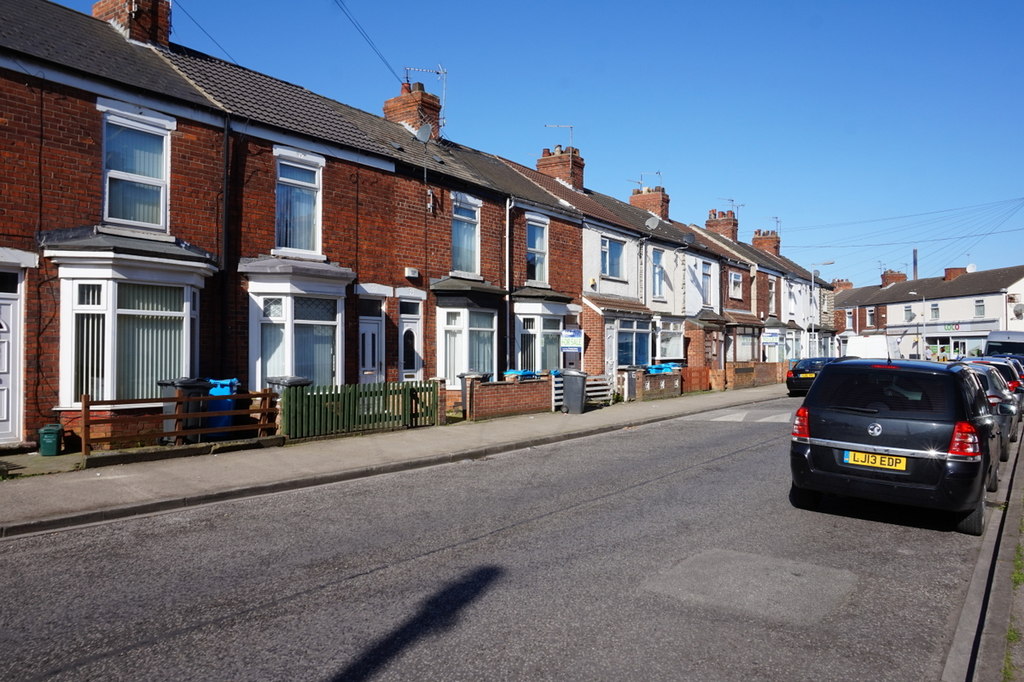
x=572, y=340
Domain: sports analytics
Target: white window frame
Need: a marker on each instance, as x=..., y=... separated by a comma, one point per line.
x=908, y=313
x=658, y=274
x=979, y=307
x=735, y=285
x=671, y=329
x=147, y=121
x=849, y=319
x=304, y=160
x=705, y=283
x=469, y=203
x=462, y=327
x=555, y=325
x=288, y=320
x=871, y=317
x=109, y=271
x=539, y=253
x=934, y=310
x=608, y=263
x=635, y=328
x=773, y=307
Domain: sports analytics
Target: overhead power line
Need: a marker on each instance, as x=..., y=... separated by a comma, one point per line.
x=915, y=241
x=227, y=54
x=366, y=36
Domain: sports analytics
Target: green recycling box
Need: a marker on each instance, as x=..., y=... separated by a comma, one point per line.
x=49, y=439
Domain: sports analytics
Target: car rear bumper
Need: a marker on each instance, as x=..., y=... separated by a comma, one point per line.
x=959, y=489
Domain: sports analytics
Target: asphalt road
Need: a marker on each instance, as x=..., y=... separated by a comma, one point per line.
x=664, y=552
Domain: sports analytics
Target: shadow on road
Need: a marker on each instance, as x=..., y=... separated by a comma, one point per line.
x=439, y=612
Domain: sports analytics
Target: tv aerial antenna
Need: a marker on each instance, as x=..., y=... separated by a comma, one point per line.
x=733, y=206
x=572, y=145
x=442, y=75
x=640, y=183
x=778, y=223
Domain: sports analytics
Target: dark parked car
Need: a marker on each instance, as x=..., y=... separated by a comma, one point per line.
x=903, y=431
x=997, y=391
x=803, y=373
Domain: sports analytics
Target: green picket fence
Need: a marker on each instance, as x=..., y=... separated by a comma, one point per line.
x=309, y=411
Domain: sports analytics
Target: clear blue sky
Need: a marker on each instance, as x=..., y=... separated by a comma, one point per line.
x=874, y=124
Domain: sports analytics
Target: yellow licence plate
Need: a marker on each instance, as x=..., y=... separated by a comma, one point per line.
x=870, y=459
x=807, y=376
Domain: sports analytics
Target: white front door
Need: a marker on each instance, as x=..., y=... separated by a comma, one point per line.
x=371, y=350
x=10, y=369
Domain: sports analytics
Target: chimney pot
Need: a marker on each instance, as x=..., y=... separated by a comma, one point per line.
x=567, y=167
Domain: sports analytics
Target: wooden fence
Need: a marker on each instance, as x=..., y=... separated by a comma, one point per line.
x=186, y=418
x=310, y=411
x=599, y=390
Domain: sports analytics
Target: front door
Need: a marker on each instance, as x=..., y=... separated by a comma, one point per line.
x=10, y=352
x=371, y=350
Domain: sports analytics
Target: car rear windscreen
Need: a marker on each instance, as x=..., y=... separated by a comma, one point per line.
x=886, y=392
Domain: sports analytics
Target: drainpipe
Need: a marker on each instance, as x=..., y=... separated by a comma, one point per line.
x=510, y=318
x=225, y=229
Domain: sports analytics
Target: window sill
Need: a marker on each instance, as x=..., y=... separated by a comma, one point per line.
x=609, y=278
x=155, y=233
x=462, y=274
x=298, y=254
x=536, y=283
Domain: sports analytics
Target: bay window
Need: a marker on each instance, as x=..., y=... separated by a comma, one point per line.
x=634, y=342
x=467, y=342
x=670, y=341
x=299, y=336
x=540, y=343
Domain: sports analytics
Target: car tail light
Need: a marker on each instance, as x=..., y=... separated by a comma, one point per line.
x=884, y=367
x=994, y=400
x=1013, y=385
x=964, y=441
x=789, y=374
x=801, y=425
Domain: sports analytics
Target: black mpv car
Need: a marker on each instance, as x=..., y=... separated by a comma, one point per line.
x=803, y=374
x=909, y=432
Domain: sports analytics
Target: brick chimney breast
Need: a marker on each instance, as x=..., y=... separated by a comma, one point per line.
x=147, y=21
x=724, y=223
x=653, y=199
x=413, y=107
x=564, y=164
x=893, y=276
x=953, y=273
x=842, y=284
x=767, y=240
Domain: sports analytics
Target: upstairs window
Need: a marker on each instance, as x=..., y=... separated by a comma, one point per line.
x=735, y=285
x=657, y=274
x=537, y=250
x=298, y=200
x=849, y=319
x=611, y=257
x=772, y=305
x=705, y=283
x=466, y=233
x=908, y=314
x=871, y=317
x=979, y=307
x=934, y=310
x=136, y=166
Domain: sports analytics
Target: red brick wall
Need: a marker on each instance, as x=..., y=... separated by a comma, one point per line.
x=592, y=324
x=51, y=140
x=504, y=398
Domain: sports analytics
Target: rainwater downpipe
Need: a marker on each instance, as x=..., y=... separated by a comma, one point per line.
x=509, y=313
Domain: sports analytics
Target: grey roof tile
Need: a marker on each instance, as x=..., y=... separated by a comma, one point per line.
x=79, y=43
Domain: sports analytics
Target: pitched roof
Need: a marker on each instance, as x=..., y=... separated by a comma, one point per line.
x=80, y=44
x=932, y=288
x=260, y=98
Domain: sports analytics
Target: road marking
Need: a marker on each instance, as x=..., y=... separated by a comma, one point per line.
x=731, y=417
x=781, y=417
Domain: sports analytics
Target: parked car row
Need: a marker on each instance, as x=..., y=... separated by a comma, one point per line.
x=925, y=434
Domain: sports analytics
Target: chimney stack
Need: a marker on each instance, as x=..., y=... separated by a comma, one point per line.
x=767, y=240
x=724, y=223
x=893, y=276
x=653, y=199
x=566, y=165
x=842, y=285
x=414, y=106
x=147, y=21
x=953, y=273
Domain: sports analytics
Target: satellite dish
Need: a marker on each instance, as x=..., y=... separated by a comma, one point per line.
x=971, y=267
x=652, y=222
x=1018, y=311
x=423, y=133
x=689, y=238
